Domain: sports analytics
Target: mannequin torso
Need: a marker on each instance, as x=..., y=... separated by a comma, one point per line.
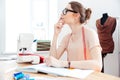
x=104, y=18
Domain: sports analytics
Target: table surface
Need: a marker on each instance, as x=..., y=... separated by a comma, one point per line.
x=8, y=69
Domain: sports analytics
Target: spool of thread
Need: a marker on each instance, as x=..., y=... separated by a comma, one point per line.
x=15, y=74
x=26, y=77
x=18, y=75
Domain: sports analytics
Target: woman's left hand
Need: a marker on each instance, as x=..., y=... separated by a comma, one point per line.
x=51, y=61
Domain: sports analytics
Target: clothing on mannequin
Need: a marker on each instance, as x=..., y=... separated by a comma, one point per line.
x=105, y=27
x=105, y=32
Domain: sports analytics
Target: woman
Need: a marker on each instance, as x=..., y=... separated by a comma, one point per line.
x=82, y=44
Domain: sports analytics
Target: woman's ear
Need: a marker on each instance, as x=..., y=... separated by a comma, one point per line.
x=76, y=15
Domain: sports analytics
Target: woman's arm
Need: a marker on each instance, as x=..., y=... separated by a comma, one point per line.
x=53, y=49
x=57, y=52
x=95, y=63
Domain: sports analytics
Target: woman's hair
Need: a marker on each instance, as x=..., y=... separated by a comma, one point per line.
x=84, y=13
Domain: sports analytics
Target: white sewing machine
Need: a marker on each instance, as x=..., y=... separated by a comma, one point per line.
x=24, y=50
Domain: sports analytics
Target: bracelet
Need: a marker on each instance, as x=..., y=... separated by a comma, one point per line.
x=69, y=64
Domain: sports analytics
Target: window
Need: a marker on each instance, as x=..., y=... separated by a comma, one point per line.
x=27, y=16
x=40, y=23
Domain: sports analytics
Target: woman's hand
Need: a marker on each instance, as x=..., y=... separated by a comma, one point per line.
x=58, y=26
x=51, y=61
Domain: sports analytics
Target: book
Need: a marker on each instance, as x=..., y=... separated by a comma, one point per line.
x=42, y=68
x=43, y=45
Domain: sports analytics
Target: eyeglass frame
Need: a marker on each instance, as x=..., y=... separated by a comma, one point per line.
x=64, y=12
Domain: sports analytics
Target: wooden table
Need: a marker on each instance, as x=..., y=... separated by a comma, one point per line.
x=8, y=67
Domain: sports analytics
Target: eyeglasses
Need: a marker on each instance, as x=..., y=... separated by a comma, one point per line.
x=64, y=12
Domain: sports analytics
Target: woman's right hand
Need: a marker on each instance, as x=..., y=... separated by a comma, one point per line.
x=58, y=26
x=51, y=61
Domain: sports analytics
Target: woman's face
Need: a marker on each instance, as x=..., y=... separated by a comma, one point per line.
x=68, y=15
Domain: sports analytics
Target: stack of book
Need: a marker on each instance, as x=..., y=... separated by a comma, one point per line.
x=43, y=45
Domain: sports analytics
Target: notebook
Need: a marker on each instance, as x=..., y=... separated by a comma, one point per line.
x=42, y=68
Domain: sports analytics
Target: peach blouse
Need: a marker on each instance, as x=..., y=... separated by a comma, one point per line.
x=75, y=48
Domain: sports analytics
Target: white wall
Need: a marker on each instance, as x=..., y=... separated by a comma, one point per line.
x=99, y=7
x=2, y=25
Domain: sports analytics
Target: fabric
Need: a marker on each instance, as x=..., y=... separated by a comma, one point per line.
x=77, y=48
x=105, y=32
